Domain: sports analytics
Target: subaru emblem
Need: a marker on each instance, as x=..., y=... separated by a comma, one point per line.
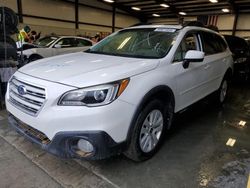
x=21, y=90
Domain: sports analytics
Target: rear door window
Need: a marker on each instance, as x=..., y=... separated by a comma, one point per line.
x=212, y=43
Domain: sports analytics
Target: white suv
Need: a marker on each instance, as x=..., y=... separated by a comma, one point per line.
x=54, y=45
x=121, y=94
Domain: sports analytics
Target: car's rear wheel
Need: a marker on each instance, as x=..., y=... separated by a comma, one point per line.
x=149, y=130
x=221, y=94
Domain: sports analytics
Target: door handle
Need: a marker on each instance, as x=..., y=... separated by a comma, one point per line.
x=207, y=67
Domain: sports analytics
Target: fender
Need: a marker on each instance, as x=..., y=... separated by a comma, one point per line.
x=158, y=91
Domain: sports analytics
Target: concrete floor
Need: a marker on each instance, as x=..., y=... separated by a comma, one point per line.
x=194, y=154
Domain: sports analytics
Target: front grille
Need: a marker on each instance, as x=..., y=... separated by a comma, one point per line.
x=34, y=133
x=29, y=102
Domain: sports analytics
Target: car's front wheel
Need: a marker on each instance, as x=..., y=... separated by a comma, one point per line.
x=149, y=130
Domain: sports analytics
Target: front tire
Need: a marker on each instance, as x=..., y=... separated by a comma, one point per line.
x=150, y=127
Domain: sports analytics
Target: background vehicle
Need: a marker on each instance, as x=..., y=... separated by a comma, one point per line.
x=52, y=46
x=241, y=56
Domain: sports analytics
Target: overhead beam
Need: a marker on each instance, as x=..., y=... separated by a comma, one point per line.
x=171, y=7
x=233, y=6
x=130, y=11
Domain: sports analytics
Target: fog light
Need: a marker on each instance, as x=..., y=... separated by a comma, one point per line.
x=85, y=146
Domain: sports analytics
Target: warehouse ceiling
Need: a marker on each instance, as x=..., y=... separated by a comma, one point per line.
x=173, y=8
x=147, y=9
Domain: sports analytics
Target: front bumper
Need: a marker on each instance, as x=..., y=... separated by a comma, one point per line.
x=60, y=145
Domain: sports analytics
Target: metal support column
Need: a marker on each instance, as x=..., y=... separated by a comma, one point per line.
x=76, y=14
x=113, y=18
x=20, y=11
x=235, y=23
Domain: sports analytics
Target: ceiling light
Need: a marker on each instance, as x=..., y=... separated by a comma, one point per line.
x=156, y=15
x=109, y=1
x=213, y=1
x=136, y=8
x=164, y=5
x=225, y=10
x=183, y=13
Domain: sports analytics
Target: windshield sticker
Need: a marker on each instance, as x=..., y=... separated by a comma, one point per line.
x=169, y=30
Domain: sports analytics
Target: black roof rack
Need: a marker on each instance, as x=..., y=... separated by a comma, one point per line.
x=193, y=23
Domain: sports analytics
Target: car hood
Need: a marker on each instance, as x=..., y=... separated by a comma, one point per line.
x=86, y=69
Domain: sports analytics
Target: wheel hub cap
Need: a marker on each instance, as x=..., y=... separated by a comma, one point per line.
x=151, y=131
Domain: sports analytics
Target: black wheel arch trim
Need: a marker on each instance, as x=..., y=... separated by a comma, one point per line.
x=36, y=55
x=156, y=90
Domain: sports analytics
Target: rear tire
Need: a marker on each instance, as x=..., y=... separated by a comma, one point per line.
x=149, y=130
x=221, y=94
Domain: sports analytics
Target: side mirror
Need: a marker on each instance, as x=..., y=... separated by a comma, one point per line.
x=58, y=46
x=192, y=56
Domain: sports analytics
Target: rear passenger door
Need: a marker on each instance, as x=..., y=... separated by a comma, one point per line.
x=214, y=48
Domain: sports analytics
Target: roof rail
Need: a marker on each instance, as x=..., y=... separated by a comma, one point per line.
x=141, y=23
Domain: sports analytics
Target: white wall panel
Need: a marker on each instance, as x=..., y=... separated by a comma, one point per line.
x=243, y=21
x=94, y=29
x=47, y=30
x=170, y=21
x=49, y=8
x=226, y=32
x=9, y=3
x=96, y=16
x=243, y=33
x=43, y=22
x=225, y=22
x=124, y=20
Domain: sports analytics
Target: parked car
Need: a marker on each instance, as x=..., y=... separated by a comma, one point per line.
x=121, y=94
x=241, y=56
x=247, y=39
x=53, y=45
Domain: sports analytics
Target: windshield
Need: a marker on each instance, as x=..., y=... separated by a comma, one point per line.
x=46, y=41
x=141, y=43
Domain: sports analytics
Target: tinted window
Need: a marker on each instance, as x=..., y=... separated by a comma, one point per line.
x=212, y=43
x=67, y=42
x=46, y=41
x=82, y=42
x=237, y=45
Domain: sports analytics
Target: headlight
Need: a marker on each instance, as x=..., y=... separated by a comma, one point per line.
x=94, y=96
x=241, y=60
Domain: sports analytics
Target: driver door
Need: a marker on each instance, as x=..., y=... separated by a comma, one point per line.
x=67, y=45
x=190, y=82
